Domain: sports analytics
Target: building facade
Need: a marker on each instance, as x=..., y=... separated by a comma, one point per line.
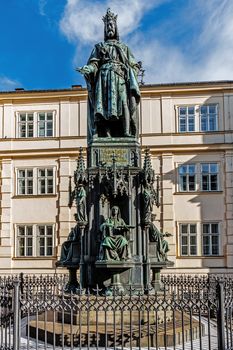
x=189, y=130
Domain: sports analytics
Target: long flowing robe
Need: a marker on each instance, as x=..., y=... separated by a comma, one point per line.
x=114, y=244
x=112, y=84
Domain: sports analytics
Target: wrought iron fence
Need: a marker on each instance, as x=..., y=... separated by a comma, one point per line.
x=188, y=313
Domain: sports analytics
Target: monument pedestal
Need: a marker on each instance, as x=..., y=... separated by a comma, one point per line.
x=115, y=267
x=127, y=151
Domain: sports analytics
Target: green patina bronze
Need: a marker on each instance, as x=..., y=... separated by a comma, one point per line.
x=113, y=91
x=117, y=245
x=158, y=237
x=114, y=245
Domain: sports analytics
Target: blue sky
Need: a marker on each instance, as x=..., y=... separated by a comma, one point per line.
x=42, y=41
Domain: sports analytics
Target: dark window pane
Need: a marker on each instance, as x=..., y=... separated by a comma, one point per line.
x=205, y=182
x=213, y=182
x=50, y=172
x=49, y=251
x=214, y=228
x=203, y=124
x=41, y=230
x=193, y=250
x=183, y=110
x=191, y=183
x=203, y=109
x=184, y=228
x=184, y=250
x=22, y=117
x=49, y=230
x=193, y=240
x=29, y=230
x=41, y=172
x=193, y=228
x=190, y=110
x=212, y=123
x=21, y=230
x=206, y=228
x=183, y=183
x=42, y=251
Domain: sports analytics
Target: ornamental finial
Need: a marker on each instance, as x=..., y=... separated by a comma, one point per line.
x=109, y=16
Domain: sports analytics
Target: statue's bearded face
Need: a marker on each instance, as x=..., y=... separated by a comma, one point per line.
x=110, y=29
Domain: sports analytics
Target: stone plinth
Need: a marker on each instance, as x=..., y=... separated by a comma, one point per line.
x=126, y=150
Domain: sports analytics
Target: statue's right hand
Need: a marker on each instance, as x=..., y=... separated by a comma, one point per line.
x=84, y=70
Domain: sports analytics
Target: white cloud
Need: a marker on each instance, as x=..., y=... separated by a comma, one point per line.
x=82, y=19
x=206, y=55
x=210, y=52
x=7, y=84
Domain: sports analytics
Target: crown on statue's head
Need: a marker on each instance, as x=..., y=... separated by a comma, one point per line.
x=109, y=16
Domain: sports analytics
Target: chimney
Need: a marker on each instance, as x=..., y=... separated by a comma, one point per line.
x=76, y=87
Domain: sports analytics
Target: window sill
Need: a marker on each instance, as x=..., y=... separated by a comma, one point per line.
x=34, y=258
x=199, y=132
x=198, y=192
x=201, y=257
x=34, y=138
x=20, y=196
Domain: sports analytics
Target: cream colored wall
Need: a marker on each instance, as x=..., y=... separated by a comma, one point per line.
x=197, y=147
x=159, y=131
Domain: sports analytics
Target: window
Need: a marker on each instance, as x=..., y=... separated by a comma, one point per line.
x=35, y=181
x=45, y=181
x=45, y=124
x=36, y=124
x=198, y=177
x=35, y=240
x=25, y=125
x=202, y=118
x=25, y=181
x=209, y=177
x=45, y=240
x=186, y=119
x=187, y=177
x=210, y=233
x=209, y=114
x=24, y=239
x=188, y=239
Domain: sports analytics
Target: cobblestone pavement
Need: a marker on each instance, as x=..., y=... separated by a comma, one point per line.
x=31, y=344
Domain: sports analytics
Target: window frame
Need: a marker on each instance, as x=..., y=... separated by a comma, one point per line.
x=187, y=118
x=210, y=234
x=35, y=123
x=216, y=105
x=35, y=181
x=209, y=174
x=26, y=180
x=46, y=122
x=197, y=117
x=187, y=174
x=46, y=237
x=35, y=237
x=189, y=235
x=25, y=238
x=46, y=179
x=26, y=123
